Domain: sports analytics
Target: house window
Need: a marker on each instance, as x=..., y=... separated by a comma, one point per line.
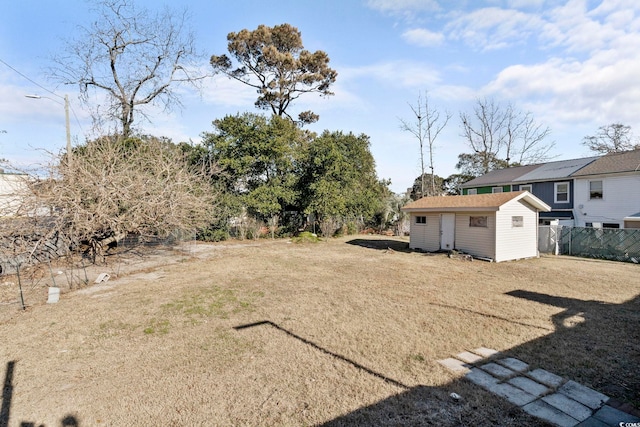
x=517, y=221
x=478, y=221
x=472, y=191
x=610, y=225
x=562, y=192
x=595, y=190
x=496, y=190
x=421, y=220
x=527, y=187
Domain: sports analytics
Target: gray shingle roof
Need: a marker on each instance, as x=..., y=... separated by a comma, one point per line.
x=628, y=161
x=555, y=170
x=500, y=176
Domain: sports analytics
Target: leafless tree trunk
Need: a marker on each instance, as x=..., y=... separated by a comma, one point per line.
x=501, y=133
x=427, y=127
x=135, y=56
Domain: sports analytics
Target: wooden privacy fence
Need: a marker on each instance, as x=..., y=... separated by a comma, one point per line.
x=602, y=243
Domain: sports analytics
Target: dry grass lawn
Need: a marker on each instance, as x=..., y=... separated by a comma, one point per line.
x=345, y=332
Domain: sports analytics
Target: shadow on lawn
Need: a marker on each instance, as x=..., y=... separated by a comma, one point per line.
x=7, y=396
x=381, y=244
x=594, y=343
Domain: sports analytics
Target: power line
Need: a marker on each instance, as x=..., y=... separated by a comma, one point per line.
x=45, y=89
x=31, y=80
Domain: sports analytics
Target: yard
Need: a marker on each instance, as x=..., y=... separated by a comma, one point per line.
x=345, y=332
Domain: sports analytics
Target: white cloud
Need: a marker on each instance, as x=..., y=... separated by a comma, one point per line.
x=603, y=88
x=423, y=37
x=403, y=5
x=396, y=73
x=493, y=28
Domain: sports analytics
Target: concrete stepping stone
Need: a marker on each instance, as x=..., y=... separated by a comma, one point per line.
x=490, y=383
x=497, y=370
x=584, y=395
x=550, y=414
x=514, y=364
x=454, y=365
x=485, y=352
x=469, y=357
x=481, y=378
x=568, y=406
x=545, y=377
x=530, y=386
x=615, y=417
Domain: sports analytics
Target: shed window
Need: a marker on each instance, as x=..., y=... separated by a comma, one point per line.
x=478, y=221
x=595, y=190
x=517, y=221
x=421, y=220
x=562, y=192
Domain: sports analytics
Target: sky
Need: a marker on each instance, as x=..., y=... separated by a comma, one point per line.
x=574, y=65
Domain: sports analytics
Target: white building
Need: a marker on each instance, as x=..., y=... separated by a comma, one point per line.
x=607, y=192
x=497, y=226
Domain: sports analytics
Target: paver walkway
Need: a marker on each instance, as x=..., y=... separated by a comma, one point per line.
x=538, y=392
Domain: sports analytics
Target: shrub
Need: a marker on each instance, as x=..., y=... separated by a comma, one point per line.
x=305, y=237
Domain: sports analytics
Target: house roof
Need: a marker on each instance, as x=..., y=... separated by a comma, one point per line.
x=476, y=202
x=530, y=173
x=500, y=176
x=556, y=170
x=628, y=161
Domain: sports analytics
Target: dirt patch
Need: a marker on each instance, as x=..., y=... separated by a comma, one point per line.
x=331, y=333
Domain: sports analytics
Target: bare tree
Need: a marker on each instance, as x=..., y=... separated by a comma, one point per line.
x=426, y=129
x=612, y=138
x=115, y=187
x=497, y=134
x=135, y=56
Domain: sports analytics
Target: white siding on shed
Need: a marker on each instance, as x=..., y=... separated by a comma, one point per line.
x=425, y=236
x=516, y=242
x=477, y=241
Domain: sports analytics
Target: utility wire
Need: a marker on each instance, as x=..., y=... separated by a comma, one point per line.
x=32, y=81
x=45, y=89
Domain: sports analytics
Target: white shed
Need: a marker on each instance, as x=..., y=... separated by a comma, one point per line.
x=497, y=226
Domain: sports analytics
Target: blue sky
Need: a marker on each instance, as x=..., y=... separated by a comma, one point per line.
x=575, y=65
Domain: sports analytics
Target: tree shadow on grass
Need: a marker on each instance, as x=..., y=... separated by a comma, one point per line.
x=594, y=343
x=381, y=244
x=420, y=405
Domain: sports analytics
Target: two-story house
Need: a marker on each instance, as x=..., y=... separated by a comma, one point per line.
x=551, y=182
x=607, y=192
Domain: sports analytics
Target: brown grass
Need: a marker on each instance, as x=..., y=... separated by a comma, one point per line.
x=345, y=332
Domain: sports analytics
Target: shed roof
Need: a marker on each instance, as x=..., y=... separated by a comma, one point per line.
x=475, y=202
x=628, y=161
x=500, y=176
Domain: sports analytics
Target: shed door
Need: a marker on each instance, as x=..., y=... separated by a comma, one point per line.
x=447, y=231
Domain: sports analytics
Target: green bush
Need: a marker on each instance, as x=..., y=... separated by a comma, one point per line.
x=213, y=235
x=305, y=237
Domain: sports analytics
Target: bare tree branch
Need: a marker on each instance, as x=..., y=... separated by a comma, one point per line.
x=135, y=56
